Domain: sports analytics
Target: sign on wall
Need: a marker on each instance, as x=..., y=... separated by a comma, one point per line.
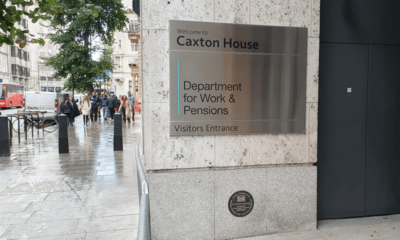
x=228, y=79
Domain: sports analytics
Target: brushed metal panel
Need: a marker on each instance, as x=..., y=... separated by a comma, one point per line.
x=259, y=89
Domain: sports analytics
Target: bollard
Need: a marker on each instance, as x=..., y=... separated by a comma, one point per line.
x=63, y=146
x=4, y=137
x=118, y=132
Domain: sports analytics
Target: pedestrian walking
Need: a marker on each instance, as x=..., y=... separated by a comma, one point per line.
x=94, y=106
x=85, y=106
x=132, y=102
x=75, y=110
x=111, y=104
x=125, y=109
x=104, y=105
x=66, y=109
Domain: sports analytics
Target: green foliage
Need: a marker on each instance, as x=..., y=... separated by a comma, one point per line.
x=69, y=60
x=74, y=28
x=13, y=13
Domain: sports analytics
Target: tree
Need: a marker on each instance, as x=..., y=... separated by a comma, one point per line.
x=74, y=30
x=12, y=12
x=70, y=61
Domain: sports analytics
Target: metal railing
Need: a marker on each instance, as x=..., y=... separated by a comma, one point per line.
x=144, y=232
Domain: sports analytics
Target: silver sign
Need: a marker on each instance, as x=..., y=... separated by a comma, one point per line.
x=228, y=79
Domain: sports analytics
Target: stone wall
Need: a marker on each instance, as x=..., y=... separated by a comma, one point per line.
x=165, y=152
x=191, y=178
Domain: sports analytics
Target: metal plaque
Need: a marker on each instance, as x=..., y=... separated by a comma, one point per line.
x=241, y=204
x=228, y=79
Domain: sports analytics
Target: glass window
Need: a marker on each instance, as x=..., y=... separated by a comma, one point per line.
x=130, y=84
x=119, y=44
x=58, y=89
x=51, y=89
x=49, y=79
x=43, y=89
x=134, y=47
x=57, y=79
x=13, y=51
x=42, y=78
x=2, y=93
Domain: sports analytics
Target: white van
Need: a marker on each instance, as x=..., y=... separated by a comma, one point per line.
x=43, y=101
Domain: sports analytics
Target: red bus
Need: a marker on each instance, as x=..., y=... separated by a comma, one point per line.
x=11, y=95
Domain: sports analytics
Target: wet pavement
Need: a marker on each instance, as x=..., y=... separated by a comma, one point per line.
x=90, y=193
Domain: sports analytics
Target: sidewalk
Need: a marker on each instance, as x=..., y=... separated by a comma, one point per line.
x=371, y=228
x=90, y=193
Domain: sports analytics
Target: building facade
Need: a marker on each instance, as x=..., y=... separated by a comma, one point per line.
x=134, y=37
x=41, y=75
x=15, y=61
x=125, y=54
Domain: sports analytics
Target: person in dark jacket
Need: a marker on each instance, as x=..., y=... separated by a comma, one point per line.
x=111, y=104
x=66, y=109
x=104, y=105
x=94, y=105
x=75, y=110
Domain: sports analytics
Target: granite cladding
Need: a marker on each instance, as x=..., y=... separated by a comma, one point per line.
x=165, y=152
x=193, y=204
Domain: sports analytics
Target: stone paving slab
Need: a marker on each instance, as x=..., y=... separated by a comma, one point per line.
x=371, y=228
x=90, y=193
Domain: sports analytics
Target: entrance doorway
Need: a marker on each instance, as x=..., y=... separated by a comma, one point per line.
x=359, y=109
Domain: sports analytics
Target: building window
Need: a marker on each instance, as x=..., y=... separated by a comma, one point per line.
x=19, y=53
x=58, y=89
x=42, y=78
x=51, y=89
x=14, y=69
x=134, y=47
x=119, y=44
x=57, y=79
x=49, y=79
x=13, y=51
x=130, y=85
x=43, y=89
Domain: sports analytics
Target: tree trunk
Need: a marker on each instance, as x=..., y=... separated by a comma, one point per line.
x=90, y=89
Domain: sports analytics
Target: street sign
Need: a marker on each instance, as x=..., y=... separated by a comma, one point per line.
x=228, y=79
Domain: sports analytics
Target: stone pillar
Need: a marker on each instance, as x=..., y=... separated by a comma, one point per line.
x=191, y=179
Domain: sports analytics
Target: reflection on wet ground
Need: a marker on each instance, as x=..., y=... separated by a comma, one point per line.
x=90, y=193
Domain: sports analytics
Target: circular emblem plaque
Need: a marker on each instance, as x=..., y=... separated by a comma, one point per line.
x=241, y=203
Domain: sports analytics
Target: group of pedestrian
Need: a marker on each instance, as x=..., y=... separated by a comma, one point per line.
x=91, y=106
